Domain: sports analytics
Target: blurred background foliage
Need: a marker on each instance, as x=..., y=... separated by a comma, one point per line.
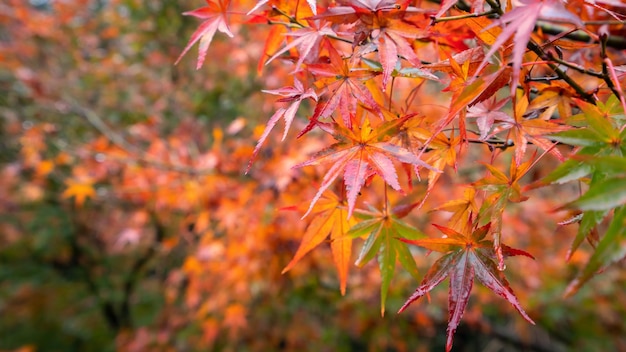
x=126, y=222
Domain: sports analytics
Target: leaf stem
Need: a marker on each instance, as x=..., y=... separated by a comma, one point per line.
x=286, y=24
x=393, y=80
x=292, y=19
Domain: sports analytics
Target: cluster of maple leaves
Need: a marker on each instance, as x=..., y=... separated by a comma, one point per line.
x=402, y=108
x=371, y=69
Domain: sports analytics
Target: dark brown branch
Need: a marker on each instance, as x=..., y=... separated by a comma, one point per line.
x=130, y=283
x=564, y=76
x=605, y=69
x=544, y=56
x=616, y=42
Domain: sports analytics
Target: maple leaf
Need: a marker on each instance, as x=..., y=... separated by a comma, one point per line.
x=386, y=24
x=383, y=227
x=525, y=128
x=345, y=86
x=307, y=40
x=506, y=188
x=453, y=65
x=364, y=12
x=391, y=43
x=461, y=209
x=611, y=249
x=260, y=3
x=502, y=190
x=441, y=148
x=487, y=113
x=360, y=154
x=294, y=95
x=601, y=148
x=520, y=22
x=214, y=15
x=273, y=42
x=466, y=257
x=467, y=90
x=80, y=190
x=554, y=97
x=330, y=218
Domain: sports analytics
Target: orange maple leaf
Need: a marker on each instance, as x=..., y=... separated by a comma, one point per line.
x=80, y=190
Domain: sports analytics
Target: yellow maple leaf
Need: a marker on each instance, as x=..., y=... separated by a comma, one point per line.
x=80, y=190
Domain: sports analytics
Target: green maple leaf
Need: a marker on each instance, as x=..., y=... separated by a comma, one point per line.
x=383, y=229
x=602, y=149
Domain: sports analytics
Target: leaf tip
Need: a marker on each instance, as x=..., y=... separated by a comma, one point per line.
x=572, y=288
x=287, y=268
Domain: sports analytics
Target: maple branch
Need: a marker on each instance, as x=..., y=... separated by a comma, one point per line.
x=601, y=22
x=464, y=16
x=340, y=39
x=82, y=260
x=613, y=41
x=495, y=5
x=562, y=75
x=605, y=69
x=130, y=283
x=95, y=121
x=574, y=66
x=119, y=140
x=542, y=79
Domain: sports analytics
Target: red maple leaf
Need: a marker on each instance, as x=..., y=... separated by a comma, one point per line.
x=215, y=19
x=307, y=40
x=260, y=3
x=520, y=22
x=389, y=26
x=467, y=256
x=343, y=87
x=294, y=95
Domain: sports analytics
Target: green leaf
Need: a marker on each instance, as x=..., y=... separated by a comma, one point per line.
x=374, y=65
x=414, y=72
x=597, y=122
x=580, y=137
x=568, y=171
x=587, y=223
x=370, y=247
x=387, y=265
x=405, y=230
x=609, y=164
x=604, y=195
x=612, y=248
x=362, y=228
x=406, y=259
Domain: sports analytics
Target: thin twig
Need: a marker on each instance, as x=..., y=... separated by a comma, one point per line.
x=564, y=76
x=616, y=42
x=605, y=69
x=464, y=16
x=136, y=154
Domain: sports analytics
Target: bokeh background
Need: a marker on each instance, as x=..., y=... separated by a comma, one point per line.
x=128, y=224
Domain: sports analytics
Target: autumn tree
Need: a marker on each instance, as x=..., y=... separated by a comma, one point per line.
x=154, y=201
